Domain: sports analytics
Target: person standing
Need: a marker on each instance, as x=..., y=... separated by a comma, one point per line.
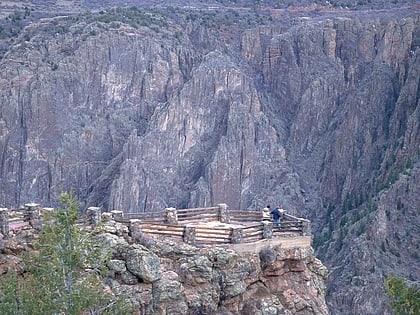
x=276, y=214
x=266, y=214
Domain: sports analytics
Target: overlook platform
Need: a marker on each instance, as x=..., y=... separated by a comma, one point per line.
x=216, y=226
x=242, y=230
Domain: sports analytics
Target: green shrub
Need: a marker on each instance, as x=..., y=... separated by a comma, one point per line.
x=64, y=275
x=404, y=299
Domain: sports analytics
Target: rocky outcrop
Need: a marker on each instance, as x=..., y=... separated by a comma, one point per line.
x=319, y=113
x=176, y=278
x=162, y=276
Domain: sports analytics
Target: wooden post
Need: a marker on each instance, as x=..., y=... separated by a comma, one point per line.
x=224, y=216
x=306, y=228
x=236, y=235
x=118, y=215
x=171, y=216
x=4, y=221
x=33, y=214
x=189, y=234
x=267, y=229
x=94, y=215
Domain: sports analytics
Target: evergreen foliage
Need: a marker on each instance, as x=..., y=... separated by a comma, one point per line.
x=63, y=275
x=405, y=299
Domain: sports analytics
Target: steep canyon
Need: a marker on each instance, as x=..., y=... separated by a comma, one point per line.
x=318, y=111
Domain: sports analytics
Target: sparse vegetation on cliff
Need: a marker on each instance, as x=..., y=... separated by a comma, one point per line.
x=63, y=274
x=405, y=299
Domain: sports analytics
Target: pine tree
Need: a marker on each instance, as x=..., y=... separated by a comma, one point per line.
x=63, y=275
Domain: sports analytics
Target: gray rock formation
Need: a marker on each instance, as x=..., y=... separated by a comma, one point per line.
x=190, y=280
x=162, y=276
x=317, y=113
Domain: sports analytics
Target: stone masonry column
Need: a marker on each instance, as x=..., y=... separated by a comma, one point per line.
x=118, y=215
x=236, y=235
x=106, y=217
x=46, y=212
x=171, y=216
x=224, y=216
x=33, y=214
x=306, y=228
x=267, y=229
x=135, y=229
x=189, y=234
x=4, y=221
x=94, y=215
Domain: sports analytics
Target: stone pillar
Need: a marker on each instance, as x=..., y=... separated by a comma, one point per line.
x=33, y=214
x=224, y=216
x=4, y=221
x=106, y=217
x=118, y=215
x=306, y=228
x=189, y=234
x=46, y=212
x=94, y=215
x=236, y=235
x=135, y=229
x=267, y=229
x=171, y=216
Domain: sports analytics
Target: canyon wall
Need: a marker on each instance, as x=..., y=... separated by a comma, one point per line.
x=319, y=113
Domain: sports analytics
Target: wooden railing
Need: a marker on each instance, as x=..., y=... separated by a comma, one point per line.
x=175, y=231
x=252, y=233
x=245, y=216
x=17, y=221
x=198, y=215
x=158, y=216
x=211, y=225
x=14, y=220
x=189, y=225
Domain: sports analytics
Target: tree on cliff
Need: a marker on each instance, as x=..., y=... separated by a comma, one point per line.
x=63, y=274
x=405, y=299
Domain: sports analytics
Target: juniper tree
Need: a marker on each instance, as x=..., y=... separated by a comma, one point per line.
x=63, y=275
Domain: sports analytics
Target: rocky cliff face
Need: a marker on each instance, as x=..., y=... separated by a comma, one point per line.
x=146, y=111
x=161, y=276
x=172, y=278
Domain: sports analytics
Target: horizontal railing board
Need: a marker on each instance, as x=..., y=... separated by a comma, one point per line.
x=212, y=234
x=178, y=233
x=199, y=217
x=196, y=213
x=204, y=211
x=197, y=220
x=252, y=228
x=17, y=219
x=215, y=239
x=162, y=227
x=164, y=232
x=250, y=234
x=251, y=239
x=197, y=209
x=225, y=239
x=245, y=215
x=145, y=215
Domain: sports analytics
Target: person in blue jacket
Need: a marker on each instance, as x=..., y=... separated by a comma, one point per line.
x=276, y=214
